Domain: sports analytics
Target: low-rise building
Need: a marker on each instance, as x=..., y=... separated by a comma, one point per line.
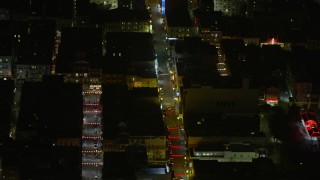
x=179, y=24
x=125, y=20
x=142, y=109
x=5, y=67
x=239, y=152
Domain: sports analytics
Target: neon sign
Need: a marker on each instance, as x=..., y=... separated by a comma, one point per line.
x=163, y=6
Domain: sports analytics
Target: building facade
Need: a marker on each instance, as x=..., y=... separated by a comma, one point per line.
x=5, y=67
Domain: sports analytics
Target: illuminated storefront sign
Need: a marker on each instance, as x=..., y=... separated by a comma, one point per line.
x=163, y=6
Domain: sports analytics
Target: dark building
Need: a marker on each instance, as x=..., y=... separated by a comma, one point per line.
x=39, y=160
x=142, y=110
x=206, y=5
x=6, y=105
x=49, y=8
x=258, y=169
x=135, y=48
x=132, y=4
x=79, y=43
x=6, y=38
x=36, y=42
x=117, y=165
x=176, y=4
x=51, y=111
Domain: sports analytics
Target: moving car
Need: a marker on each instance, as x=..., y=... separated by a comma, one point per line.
x=314, y=132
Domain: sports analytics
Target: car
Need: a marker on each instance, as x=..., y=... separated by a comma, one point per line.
x=314, y=132
x=310, y=124
x=169, y=108
x=95, y=146
x=95, y=177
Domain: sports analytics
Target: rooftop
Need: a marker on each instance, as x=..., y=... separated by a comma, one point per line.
x=120, y=15
x=142, y=111
x=134, y=47
x=51, y=111
x=178, y=18
x=222, y=125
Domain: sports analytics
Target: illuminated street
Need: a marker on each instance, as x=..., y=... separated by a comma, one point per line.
x=177, y=152
x=92, y=154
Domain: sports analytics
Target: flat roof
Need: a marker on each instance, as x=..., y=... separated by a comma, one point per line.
x=178, y=18
x=53, y=111
x=222, y=125
x=138, y=109
x=134, y=47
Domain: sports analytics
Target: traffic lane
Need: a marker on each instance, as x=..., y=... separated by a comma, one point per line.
x=179, y=163
x=91, y=171
x=88, y=107
x=91, y=98
x=92, y=117
x=91, y=131
x=91, y=160
x=90, y=144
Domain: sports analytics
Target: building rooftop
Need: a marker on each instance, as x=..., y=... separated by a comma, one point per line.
x=78, y=43
x=194, y=46
x=178, y=18
x=51, y=111
x=222, y=125
x=113, y=64
x=38, y=160
x=141, y=107
x=120, y=15
x=116, y=166
x=6, y=100
x=6, y=38
x=176, y=4
x=133, y=47
x=226, y=170
x=146, y=71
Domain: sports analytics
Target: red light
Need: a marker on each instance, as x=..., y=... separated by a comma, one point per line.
x=273, y=41
x=272, y=100
x=180, y=175
x=176, y=147
x=173, y=137
x=195, y=20
x=173, y=128
x=310, y=123
x=176, y=155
